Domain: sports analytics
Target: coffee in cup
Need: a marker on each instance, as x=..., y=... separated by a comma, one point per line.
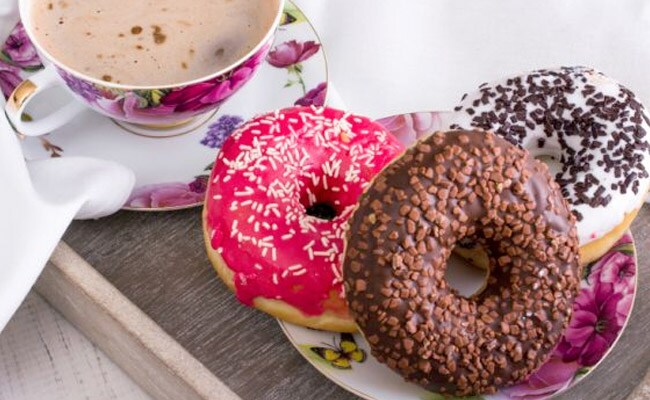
x=156, y=42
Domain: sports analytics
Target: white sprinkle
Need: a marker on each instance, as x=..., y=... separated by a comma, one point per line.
x=257, y=266
x=217, y=197
x=233, y=229
x=275, y=278
x=336, y=272
x=301, y=272
x=295, y=267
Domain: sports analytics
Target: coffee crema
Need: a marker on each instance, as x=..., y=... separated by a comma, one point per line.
x=150, y=42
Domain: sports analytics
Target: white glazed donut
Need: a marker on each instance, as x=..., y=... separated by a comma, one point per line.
x=592, y=125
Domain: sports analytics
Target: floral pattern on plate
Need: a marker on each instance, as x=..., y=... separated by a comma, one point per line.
x=340, y=354
x=601, y=312
x=410, y=127
x=172, y=173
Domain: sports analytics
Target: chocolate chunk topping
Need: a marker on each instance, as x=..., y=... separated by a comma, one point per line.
x=416, y=323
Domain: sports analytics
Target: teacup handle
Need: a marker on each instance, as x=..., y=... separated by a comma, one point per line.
x=26, y=91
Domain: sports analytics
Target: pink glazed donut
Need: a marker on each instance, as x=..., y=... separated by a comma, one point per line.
x=280, y=195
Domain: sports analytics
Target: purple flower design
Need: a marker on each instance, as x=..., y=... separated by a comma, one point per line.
x=290, y=55
x=201, y=95
x=553, y=376
x=292, y=52
x=594, y=325
x=20, y=50
x=130, y=106
x=9, y=78
x=165, y=195
x=219, y=131
x=200, y=184
x=314, y=97
x=81, y=87
x=619, y=270
x=410, y=127
x=615, y=268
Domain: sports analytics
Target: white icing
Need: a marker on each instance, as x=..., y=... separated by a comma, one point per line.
x=597, y=220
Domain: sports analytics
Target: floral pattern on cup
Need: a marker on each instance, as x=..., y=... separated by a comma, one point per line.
x=19, y=51
x=16, y=54
x=163, y=195
x=165, y=106
x=9, y=78
x=290, y=56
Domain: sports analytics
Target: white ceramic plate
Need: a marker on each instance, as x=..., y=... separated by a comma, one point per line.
x=605, y=303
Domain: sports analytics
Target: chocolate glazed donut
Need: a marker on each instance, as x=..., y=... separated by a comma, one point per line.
x=451, y=186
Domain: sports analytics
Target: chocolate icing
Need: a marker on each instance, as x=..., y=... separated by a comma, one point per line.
x=448, y=187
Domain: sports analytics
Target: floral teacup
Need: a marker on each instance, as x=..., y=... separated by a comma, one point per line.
x=157, y=108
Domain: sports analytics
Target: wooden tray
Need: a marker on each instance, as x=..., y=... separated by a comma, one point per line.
x=141, y=287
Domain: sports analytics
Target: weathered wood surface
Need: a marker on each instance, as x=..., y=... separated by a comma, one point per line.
x=150, y=356
x=43, y=357
x=158, y=262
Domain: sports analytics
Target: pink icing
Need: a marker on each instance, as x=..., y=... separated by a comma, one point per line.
x=266, y=176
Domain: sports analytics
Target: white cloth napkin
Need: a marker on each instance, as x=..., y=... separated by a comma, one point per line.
x=38, y=200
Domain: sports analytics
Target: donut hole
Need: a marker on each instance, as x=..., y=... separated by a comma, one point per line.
x=324, y=211
x=463, y=276
x=321, y=201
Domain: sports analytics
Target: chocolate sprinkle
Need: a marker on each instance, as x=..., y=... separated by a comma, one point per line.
x=498, y=196
x=593, y=120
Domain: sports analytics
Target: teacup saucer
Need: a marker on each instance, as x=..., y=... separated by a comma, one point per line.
x=171, y=172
